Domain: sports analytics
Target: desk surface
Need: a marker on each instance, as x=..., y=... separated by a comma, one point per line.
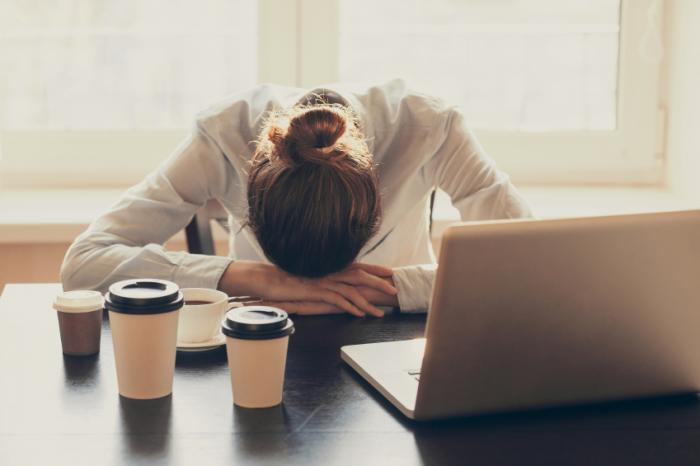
x=61, y=410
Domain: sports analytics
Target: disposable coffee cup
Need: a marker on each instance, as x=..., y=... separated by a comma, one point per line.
x=200, y=318
x=143, y=316
x=79, y=321
x=256, y=346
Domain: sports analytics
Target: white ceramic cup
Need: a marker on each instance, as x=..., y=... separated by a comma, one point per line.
x=201, y=322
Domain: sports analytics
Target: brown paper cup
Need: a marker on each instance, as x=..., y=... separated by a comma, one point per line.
x=80, y=332
x=79, y=315
x=257, y=371
x=144, y=353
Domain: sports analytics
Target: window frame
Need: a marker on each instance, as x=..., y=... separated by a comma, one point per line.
x=630, y=154
x=290, y=53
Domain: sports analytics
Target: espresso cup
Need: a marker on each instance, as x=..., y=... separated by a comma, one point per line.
x=256, y=346
x=143, y=316
x=200, y=318
x=79, y=321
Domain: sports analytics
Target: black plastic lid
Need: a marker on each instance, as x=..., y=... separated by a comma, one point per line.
x=144, y=296
x=257, y=323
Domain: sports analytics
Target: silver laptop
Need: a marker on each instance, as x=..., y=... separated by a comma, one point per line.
x=536, y=313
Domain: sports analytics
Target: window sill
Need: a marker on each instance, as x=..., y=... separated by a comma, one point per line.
x=59, y=216
x=553, y=202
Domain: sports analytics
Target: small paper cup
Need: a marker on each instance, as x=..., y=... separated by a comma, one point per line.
x=79, y=321
x=256, y=345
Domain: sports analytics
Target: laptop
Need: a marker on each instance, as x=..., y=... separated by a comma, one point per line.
x=528, y=314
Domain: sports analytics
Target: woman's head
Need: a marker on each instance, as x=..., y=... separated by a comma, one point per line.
x=312, y=191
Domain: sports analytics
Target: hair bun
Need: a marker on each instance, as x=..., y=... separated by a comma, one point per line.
x=311, y=136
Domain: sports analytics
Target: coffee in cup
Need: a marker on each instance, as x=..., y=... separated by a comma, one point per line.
x=79, y=321
x=143, y=316
x=200, y=318
x=256, y=346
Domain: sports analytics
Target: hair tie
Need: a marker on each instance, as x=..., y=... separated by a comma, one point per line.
x=326, y=150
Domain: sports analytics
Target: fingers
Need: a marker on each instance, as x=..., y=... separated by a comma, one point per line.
x=338, y=291
x=332, y=297
x=377, y=297
x=304, y=308
x=351, y=294
x=377, y=270
x=318, y=290
x=359, y=277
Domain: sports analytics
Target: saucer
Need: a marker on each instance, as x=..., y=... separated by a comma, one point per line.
x=208, y=345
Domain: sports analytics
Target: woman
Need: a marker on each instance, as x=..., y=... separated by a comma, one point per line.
x=318, y=186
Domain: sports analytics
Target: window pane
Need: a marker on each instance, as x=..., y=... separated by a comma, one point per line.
x=508, y=64
x=119, y=64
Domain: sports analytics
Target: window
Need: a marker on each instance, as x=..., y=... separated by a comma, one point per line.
x=101, y=90
x=557, y=90
x=115, y=64
x=527, y=65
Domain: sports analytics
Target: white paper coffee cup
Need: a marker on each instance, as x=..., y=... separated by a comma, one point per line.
x=143, y=316
x=256, y=345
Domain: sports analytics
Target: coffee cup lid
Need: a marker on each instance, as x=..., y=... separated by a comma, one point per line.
x=257, y=323
x=144, y=296
x=78, y=301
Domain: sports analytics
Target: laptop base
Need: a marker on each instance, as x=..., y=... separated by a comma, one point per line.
x=392, y=368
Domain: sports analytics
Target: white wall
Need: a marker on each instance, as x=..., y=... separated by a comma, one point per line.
x=682, y=95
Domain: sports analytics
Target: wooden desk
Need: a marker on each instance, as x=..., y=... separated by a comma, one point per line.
x=58, y=410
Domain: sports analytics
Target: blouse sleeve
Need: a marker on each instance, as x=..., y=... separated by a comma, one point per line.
x=127, y=241
x=476, y=187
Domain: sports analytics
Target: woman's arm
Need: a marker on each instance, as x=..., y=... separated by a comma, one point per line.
x=477, y=189
x=126, y=242
x=370, y=285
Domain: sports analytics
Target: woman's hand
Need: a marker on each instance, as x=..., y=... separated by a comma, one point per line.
x=372, y=295
x=343, y=291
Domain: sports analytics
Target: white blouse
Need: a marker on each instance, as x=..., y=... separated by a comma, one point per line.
x=418, y=143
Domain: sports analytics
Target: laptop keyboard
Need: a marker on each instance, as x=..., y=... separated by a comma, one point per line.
x=415, y=373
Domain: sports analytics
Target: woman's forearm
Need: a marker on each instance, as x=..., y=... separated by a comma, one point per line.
x=271, y=284
x=244, y=278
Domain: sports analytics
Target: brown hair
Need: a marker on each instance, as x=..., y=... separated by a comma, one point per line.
x=313, y=198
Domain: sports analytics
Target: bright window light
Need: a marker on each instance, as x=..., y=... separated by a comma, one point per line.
x=528, y=65
x=121, y=64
